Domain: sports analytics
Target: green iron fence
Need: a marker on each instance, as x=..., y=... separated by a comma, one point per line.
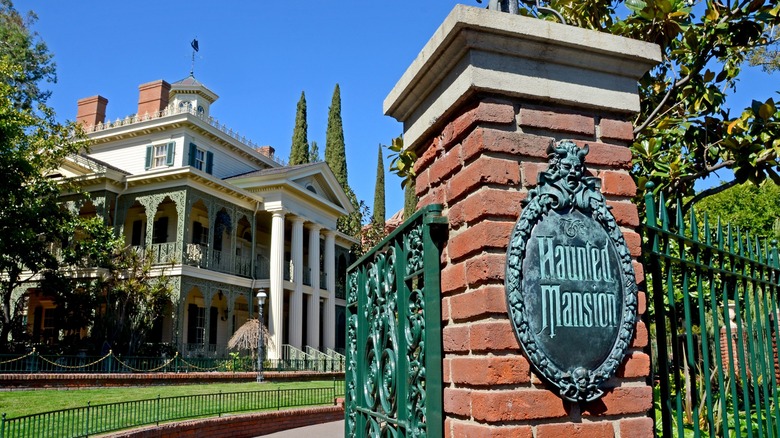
x=713, y=319
x=34, y=362
x=394, y=377
x=102, y=418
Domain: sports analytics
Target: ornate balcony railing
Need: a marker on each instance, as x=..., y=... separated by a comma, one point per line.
x=263, y=269
x=159, y=253
x=242, y=266
x=172, y=110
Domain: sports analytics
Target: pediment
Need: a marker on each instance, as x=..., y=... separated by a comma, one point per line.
x=312, y=180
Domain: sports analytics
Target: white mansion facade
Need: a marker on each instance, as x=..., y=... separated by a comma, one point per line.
x=221, y=217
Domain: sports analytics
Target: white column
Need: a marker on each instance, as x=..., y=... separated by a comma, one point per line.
x=329, y=325
x=295, y=314
x=313, y=332
x=276, y=297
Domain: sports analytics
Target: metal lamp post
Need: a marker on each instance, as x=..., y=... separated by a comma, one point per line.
x=261, y=296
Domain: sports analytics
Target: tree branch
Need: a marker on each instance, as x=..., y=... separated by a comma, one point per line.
x=708, y=192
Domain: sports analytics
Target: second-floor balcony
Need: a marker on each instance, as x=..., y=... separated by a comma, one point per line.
x=198, y=255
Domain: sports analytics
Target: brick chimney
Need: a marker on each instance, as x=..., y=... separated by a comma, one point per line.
x=268, y=151
x=153, y=96
x=91, y=110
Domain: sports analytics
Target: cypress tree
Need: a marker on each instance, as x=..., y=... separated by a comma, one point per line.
x=314, y=153
x=379, y=190
x=335, y=154
x=410, y=199
x=299, y=151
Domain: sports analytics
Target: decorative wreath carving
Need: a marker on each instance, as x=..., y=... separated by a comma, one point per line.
x=563, y=188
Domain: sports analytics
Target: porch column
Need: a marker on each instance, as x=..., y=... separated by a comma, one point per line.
x=295, y=315
x=276, y=297
x=329, y=325
x=313, y=332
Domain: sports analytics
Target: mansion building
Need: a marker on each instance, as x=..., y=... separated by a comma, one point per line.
x=222, y=218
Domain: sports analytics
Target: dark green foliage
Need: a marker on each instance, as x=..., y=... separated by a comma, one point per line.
x=755, y=209
x=410, y=199
x=379, y=190
x=32, y=145
x=22, y=48
x=314, y=153
x=299, y=151
x=335, y=153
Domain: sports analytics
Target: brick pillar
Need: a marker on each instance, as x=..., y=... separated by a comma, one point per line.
x=480, y=105
x=91, y=111
x=153, y=97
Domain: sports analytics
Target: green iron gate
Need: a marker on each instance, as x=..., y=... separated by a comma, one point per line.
x=713, y=319
x=394, y=377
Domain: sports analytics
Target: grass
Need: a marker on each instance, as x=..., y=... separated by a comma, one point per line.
x=27, y=402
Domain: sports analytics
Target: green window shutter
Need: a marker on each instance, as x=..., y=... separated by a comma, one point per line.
x=193, y=150
x=170, y=152
x=148, y=157
x=209, y=162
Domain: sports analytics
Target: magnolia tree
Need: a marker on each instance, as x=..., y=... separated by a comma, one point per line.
x=685, y=130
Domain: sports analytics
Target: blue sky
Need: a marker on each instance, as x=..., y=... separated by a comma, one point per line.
x=258, y=56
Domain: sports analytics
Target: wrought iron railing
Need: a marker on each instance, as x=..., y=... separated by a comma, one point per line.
x=173, y=110
x=263, y=269
x=394, y=375
x=714, y=303
x=307, y=276
x=102, y=418
x=34, y=363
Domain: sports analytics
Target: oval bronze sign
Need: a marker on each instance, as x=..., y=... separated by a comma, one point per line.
x=570, y=285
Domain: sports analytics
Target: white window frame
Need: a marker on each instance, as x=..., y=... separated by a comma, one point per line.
x=160, y=155
x=200, y=159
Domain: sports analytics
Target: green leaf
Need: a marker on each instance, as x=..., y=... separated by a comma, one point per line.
x=635, y=5
x=766, y=111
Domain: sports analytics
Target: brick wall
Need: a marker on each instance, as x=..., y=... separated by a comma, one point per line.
x=239, y=426
x=480, y=166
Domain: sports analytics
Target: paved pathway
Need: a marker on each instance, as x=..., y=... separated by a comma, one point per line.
x=326, y=430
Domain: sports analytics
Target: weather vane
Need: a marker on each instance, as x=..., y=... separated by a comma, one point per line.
x=194, y=45
x=513, y=7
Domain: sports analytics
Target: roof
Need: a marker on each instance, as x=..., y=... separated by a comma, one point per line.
x=189, y=81
x=272, y=171
x=84, y=158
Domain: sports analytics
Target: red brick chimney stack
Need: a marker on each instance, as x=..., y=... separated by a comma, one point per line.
x=268, y=151
x=91, y=110
x=153, y=97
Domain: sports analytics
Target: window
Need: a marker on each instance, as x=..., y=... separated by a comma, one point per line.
x=160, y=230
x=137, y=235
x=196, y=324
x=185, y=106
x=200, y=159
x=200, y=234
x=160, y=155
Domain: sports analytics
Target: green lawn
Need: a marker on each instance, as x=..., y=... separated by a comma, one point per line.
x=26, y=402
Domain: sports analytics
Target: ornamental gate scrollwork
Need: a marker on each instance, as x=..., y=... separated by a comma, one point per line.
x=394, y=375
